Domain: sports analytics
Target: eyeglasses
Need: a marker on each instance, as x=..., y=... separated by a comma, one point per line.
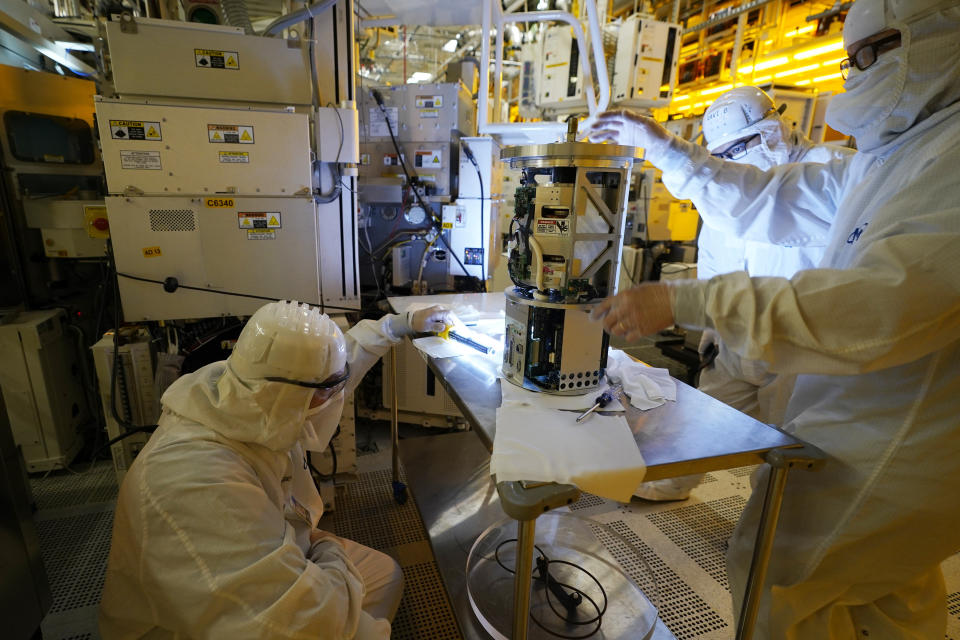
x=864, y=56
x=739, y=148
x=326, y=384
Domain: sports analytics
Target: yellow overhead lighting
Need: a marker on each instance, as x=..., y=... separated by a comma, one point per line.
x=793, y=72
x=769, y=64
x=698, y=105
x=685, y=107
x=761, y=80
x=836, y=45
x=681, y=98
x=832, y=76
x=767, y=42
x=799, y=31
x=718, y=89
x=766, y=64
x=830, y=63
x=802, y=82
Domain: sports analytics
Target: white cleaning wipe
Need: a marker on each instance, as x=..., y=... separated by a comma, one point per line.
x=598, y=455
x=515, y=396
x=647, y=387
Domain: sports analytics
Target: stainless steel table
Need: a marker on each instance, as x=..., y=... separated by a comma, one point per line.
x=692, y=435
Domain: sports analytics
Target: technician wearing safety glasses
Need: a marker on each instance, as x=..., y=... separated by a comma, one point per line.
x=215, y=533
x=744, y=126
x=874, y=333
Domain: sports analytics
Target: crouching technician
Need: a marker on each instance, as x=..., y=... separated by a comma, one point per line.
x=215, y=533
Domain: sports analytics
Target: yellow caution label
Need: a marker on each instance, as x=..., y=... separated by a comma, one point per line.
x=448, y=225
x=152, y=252
x=273, y=222
x=245, y=136
x=220, y=203
x=135, y=130
x=216, y=59
x=230, y=133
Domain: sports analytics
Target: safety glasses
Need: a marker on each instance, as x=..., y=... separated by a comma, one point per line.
x=329, y=383
x=863, y=56
x=739, y=148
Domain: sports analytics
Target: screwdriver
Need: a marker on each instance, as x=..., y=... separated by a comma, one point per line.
x=603, y=400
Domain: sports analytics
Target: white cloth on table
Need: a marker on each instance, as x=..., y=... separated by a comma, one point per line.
x=648, y=387
x=599, y=455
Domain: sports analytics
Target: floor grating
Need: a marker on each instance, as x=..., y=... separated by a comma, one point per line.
x=683, y=544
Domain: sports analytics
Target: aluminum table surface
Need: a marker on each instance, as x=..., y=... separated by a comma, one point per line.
x=695, y=434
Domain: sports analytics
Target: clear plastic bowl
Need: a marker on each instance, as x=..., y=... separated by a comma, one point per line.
x=622, y=588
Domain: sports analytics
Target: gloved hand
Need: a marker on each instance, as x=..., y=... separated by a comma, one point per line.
x=430, y=320
x=634, y=130
x=707, y=339
x=636, y=312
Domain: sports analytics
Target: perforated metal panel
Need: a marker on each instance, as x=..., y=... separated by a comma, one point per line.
x=367, y=513
x=74, y=553
x=702, y=531
x=740, y=472
x=587, y=501
x=684, y=612
x=98, y=484
x=172, y=220
x=425, y=612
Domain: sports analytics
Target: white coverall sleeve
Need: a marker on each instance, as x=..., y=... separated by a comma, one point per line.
x=219, y=560
x=792, y=204
x=900, y=302
x=369, y=340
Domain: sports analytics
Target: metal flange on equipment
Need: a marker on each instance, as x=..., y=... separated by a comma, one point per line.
x=564, y=257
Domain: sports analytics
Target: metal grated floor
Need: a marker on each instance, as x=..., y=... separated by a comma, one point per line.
x=424, y=612
x=683, y=544
x=66, y=489
x=702, y=531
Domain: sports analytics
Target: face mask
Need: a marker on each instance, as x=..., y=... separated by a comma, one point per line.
x=320, y=423
x=762, y=158
x=870, y=96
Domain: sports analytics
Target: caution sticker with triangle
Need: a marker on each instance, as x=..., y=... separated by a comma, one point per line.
x=135, y=130
x=428, y=159
x=258, y=219
x=230, y=133
x=216, y=59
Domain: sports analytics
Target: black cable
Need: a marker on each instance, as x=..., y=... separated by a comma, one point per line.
x=172, y=282
x=571, y=600
x=410, y=179
x=483, y=258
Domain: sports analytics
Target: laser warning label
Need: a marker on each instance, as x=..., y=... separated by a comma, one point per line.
x=135, y=130
x=214, y=59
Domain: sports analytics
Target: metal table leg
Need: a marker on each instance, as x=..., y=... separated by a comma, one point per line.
x=522, y=579
x=781, y=461
x=399, y=488
x=524, y=501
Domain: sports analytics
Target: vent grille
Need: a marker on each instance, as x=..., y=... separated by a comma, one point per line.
x=172, y=220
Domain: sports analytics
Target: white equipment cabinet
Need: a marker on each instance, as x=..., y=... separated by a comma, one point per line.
x=645, y=67
x=43, y=388
x=205, y=62
x=259, y=246
x=203, y=150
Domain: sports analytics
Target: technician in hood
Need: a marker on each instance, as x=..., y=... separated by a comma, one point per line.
x=215, y=530
x=744, y=126
x=874, y=333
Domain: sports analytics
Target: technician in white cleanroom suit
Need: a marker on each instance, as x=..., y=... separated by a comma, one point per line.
x=215, y=529
x=744, y=126
x=874, y=332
